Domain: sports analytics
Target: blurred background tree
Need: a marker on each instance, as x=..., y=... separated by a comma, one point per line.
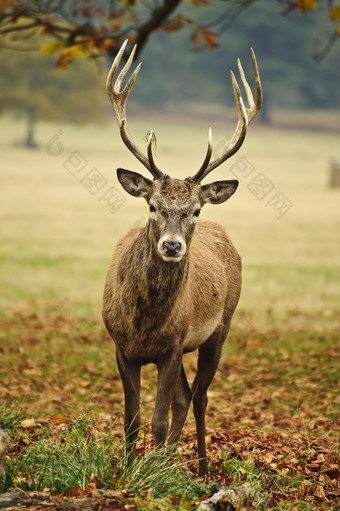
x=292, y=78
x=294, y=42
x=97, y=27
x=32, y=87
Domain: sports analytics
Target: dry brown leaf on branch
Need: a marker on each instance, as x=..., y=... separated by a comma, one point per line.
x=200, y=2
x=210, y=39
x=196, y=38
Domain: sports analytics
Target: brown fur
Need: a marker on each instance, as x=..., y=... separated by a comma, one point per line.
x=156, y=310
x=148, y=299
x=173, y=286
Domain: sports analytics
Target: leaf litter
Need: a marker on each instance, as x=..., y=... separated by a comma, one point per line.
x=272, y=417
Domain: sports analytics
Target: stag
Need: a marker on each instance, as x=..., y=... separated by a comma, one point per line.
x=173, y=285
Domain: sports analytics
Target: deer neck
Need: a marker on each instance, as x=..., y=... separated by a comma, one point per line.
x=161, y=280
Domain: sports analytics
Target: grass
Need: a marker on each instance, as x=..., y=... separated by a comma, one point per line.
x=72, y=458
x=54, y=228
x=10, y=419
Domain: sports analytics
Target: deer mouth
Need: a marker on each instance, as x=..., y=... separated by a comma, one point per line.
x=174, y=259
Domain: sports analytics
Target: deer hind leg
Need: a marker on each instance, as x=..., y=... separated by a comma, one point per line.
x=208, y=360
x=180, y=406
x=130, y=375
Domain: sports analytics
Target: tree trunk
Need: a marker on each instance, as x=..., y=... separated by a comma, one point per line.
x=31, y=123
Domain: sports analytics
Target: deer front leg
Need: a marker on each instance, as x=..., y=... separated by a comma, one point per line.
x=168, y=374
x=208, y=360
x=130, y=375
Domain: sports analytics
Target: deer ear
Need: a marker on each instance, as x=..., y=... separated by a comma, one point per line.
x=134, y=184
x=218, y=192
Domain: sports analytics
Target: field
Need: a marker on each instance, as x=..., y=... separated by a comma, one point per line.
x=274, y=404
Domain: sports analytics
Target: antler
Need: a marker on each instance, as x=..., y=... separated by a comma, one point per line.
x=118, y=100
x=245, y=116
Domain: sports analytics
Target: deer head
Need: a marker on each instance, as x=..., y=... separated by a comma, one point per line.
x=175, y=204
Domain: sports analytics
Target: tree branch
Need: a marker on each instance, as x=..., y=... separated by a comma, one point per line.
x=19, y=28
x=327, y=48
x=159, y=15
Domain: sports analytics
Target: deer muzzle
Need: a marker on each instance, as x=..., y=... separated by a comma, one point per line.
x=171, y=250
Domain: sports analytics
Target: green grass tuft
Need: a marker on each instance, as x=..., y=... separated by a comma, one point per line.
x=72, y=458
x=10, y=418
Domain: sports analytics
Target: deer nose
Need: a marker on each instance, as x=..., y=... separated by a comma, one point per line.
x=171, y=249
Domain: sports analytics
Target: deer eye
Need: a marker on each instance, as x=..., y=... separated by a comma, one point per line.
x=152, y=208
x=197, y=212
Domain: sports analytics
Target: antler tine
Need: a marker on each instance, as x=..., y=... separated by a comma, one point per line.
x=125, y=70
x=236, y=140
x=199, y=175
x=258, y=86
x=154, y=169
x=245, y=116
x=254, y=107
x=118, y=99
